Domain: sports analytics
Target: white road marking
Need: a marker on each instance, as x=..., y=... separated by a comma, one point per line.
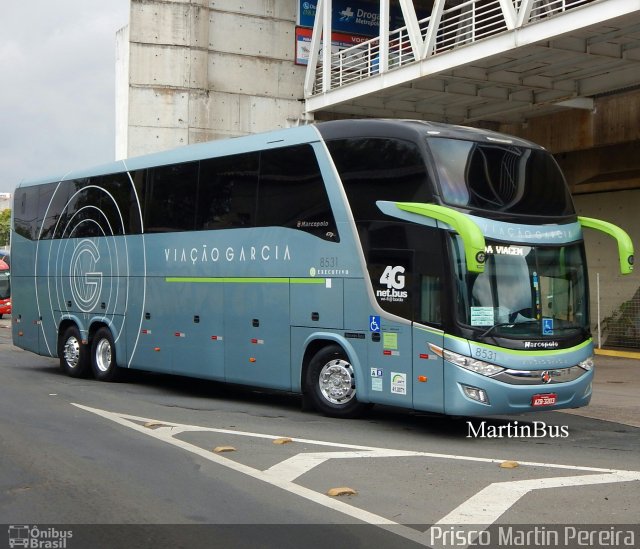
x=491, y=502
x=482, y=509
x=166, y=434
x=290, y=469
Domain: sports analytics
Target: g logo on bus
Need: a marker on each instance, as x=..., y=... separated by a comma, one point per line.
x=545, y=377
x=86, y=280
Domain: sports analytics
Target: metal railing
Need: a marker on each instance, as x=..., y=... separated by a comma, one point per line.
x=458, y=26
x=547, y=8
x=621, y=327
x=468, y=23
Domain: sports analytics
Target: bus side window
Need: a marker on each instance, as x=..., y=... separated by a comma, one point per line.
x=171, y=198
x=25, y=215
x=373, y=169
x=83, y=217
x=227, y=192
x=292, y=193
x=118, y=203
x=52, y=203
x=430, y=299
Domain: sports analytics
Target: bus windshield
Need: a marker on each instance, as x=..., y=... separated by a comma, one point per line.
x=500, y=177
x=524, y=292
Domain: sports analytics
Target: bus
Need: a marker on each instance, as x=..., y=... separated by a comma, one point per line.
x=5, y=289
x=421, y=265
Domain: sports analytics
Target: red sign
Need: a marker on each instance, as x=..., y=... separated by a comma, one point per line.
x=339, y=41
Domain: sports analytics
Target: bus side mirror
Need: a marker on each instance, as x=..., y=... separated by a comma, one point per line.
x=625, y=246
x=472, y=237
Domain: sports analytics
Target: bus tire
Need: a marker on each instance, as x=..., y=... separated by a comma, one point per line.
x=331, y=384
x=103, y=356
x=73, y=354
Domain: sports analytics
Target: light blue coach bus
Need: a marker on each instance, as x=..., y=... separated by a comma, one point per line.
x=415, y=264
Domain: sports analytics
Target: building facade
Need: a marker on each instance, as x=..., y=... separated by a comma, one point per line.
x=192, y=71
x=5, y=201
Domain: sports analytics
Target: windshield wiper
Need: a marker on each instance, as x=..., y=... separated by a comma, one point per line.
x=507, y=325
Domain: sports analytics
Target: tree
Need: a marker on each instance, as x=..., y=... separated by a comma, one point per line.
x=5, y=226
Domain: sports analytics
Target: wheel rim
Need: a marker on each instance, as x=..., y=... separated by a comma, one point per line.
x=336, y=382
x=72, y=352
x=103, y=355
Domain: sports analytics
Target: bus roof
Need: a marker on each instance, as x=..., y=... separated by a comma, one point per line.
x=408, y=129
x=188, y=153
x=414, y=129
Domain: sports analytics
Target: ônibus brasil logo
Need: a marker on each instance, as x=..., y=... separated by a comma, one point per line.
x=38, y=537
x=394, y=279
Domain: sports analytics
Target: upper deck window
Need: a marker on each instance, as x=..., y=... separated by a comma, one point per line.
x=500, y=177
x=373, y=169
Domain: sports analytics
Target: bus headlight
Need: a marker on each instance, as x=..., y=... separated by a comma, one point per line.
x=587, y=364
x=477, y=366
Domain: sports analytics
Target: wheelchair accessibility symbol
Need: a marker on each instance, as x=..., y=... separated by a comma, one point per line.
x=374, y=323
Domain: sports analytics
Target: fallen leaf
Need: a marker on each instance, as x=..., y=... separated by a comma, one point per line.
x=283, y=440
x=220, y=449
x=509, y=464
x=341, y=491
x=154, y=424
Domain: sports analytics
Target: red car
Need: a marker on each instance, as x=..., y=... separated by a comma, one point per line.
x=5, y=289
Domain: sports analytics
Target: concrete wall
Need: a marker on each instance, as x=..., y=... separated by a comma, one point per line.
x=208, y=69
x=122, y=92
x=599, y=153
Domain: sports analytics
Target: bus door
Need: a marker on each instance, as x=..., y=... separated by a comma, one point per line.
x=428, y=365
x=390, y=363
x=408, y=283
x=24, y=307
x=25, y=320
x=428, y=369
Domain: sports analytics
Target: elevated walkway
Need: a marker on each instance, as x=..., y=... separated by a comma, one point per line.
x=499, y=61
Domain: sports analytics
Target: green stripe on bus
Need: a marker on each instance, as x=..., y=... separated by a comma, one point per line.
x=433, y=331
x=523, y=352
x=248, y=280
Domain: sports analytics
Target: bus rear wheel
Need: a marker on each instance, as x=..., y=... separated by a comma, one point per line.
x=331, y=384
x=103, y=356
x=73, y=354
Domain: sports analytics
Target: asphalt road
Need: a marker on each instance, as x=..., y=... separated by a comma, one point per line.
x=132, y=464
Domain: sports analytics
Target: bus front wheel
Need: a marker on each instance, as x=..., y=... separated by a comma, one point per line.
x=331, y=383
x=73, y=354
x=103, y=356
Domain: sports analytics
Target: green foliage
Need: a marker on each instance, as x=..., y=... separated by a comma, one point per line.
x=5, y=226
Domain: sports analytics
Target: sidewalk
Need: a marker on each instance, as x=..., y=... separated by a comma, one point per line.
x=616, y=391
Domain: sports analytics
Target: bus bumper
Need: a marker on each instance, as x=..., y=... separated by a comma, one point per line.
x=505, y=398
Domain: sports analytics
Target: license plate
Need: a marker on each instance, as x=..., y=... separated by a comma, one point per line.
x=546, y=399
